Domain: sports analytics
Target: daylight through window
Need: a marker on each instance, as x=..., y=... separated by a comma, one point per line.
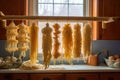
x=58, y=8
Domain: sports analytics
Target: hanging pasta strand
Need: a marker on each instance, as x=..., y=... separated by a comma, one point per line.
x=23, y=39
x=87, y=33
x=67, y=42
x=33, y=43
x=47, y=44
x=32, y=63
x=56, y=44
x=11, y=34
x=77, y=41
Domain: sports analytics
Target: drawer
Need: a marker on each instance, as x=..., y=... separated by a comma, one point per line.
x=19, y=77
x=47, y=77
x=81, y=76
x=110, y=76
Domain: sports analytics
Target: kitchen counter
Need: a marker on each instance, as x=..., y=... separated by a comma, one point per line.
x=65, y=69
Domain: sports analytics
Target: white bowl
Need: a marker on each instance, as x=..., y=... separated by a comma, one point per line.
x=113, y=63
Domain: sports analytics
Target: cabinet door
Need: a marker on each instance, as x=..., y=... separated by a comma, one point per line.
x=2, y=77
x=5, y=77
x=110, y=76
x=82, y=76
x=19, y=77
x=47, y=77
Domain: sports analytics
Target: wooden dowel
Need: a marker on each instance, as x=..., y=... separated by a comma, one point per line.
x=59, y=18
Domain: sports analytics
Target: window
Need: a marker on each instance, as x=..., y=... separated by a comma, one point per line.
x=57, y=8
x=62, y=7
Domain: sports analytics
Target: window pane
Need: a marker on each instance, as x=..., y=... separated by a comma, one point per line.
x=76, y=1
x=45, y=10
x=45, y=1
x=60, y=10
x=60, y=1
x=76, y=10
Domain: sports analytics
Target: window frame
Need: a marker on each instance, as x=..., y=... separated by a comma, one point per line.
x=33, y=10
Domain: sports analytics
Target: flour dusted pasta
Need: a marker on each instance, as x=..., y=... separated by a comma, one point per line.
x=86, y=43
x=77, y=41
x=47, y=44
x=67, y=42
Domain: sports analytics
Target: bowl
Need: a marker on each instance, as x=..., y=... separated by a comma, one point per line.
x=113, y=63
x=9, y=65
x=9, y=62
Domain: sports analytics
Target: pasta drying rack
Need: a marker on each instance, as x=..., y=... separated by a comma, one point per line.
x=59, y=18
x=104, y=20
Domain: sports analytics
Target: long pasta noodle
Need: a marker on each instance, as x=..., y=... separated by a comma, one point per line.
x=33, y=43
x=67, y=42
x=77, y=41
x=87, y=33
x=47, y=44
x=56, y=53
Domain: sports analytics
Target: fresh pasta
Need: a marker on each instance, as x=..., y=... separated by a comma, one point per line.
x=11, y=34
x=33, y=43
x=56, y=44
x=86, y=43
x=23, y=38
x=67, y=42
x=77, y=41
x=47, y=44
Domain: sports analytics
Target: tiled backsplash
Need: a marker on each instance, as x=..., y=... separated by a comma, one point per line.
x=112, y=45
x=4, y=53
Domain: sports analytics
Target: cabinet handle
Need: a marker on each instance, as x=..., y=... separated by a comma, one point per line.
x=82, y=78
x=46, y=79
x=110, y=78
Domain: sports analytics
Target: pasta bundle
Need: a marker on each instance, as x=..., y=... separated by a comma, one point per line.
x=47, y=44
x=77, y=41
x=33, y=43
x=56, y=44
x=87, y=33
x=23, y=39
x=11, y=34
x=67, y=42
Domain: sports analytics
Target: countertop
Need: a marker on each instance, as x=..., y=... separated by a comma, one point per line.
x=65, y=69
